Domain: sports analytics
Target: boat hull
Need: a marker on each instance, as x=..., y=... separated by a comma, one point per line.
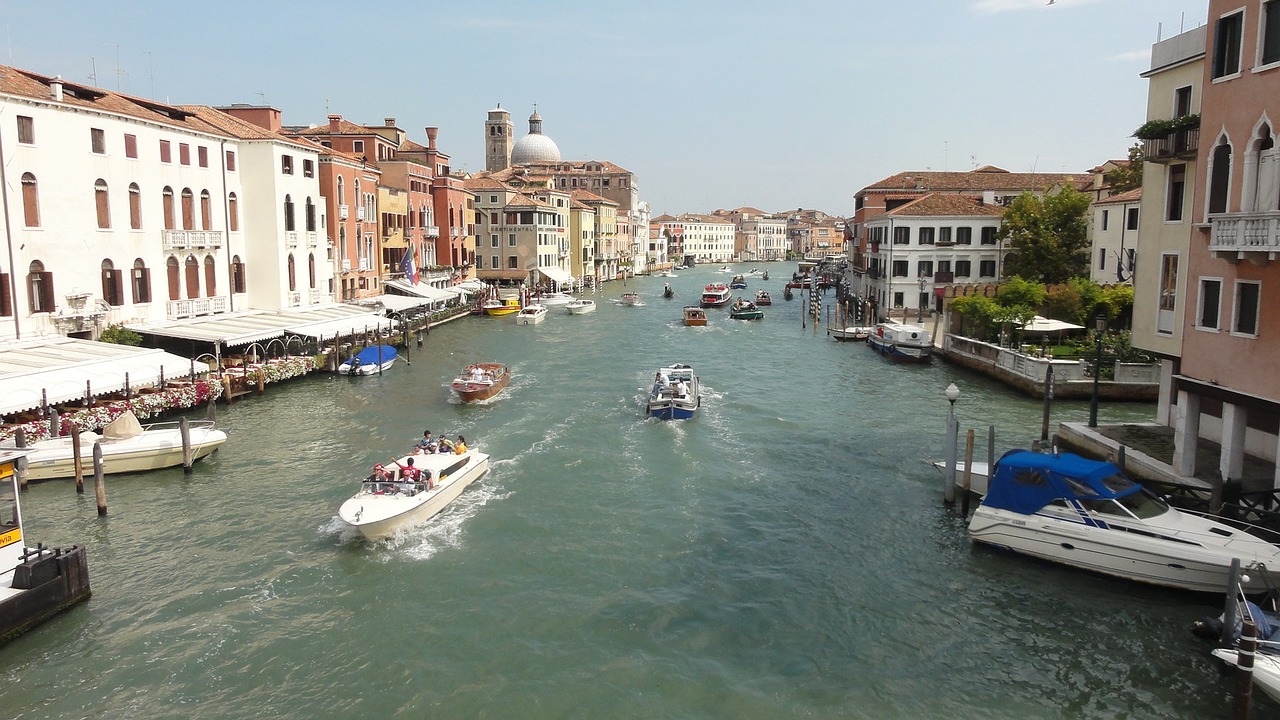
x=746, y=314
x=55, y=459
x=531, y=315
x=469, y=391
x=1266, y=670
x=582, y=308
x=899, y=352
x=378, y=517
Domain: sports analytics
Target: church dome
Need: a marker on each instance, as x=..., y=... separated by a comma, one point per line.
x=534, y=147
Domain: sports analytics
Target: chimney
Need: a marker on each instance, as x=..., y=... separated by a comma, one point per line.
x=55, y=86
x=988, y=197
x=333, y=122
x=388, y=122
x=431, y=137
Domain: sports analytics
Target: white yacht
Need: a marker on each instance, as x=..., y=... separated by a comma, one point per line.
x=386, y=503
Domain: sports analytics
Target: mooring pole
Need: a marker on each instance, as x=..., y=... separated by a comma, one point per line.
x=1244, y=670
x=99, y=485
x=20, y=468
x=949, y=474
x=968, y=473
x=1230, y=609
x=1048, y=400
x=184, y=430
x=77, y=465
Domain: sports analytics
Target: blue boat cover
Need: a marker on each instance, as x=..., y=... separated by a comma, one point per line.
x=375, y=355
x=1024, y=481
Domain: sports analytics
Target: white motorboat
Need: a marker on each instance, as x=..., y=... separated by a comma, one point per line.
x=675, y=395
x=629, y=298
x=369, y=361
x=127, y=446
x=1087, y=514
x=383, y=505
x=977, y=476
x=581, y=306
x=531, y=314
x=851, y=333
x=1266, y=669
x=901, y=343
x=552, y=298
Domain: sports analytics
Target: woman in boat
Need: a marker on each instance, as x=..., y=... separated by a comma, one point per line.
x=460, y=447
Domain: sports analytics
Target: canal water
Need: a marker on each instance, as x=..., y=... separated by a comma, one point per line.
x=784, y=554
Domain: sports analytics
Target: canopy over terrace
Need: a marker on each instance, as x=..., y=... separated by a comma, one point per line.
x=422, y=290
x=61, y=369
x=557, y=275
x=1045, y=326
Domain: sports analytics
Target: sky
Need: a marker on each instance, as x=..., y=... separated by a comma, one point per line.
x=775, y=105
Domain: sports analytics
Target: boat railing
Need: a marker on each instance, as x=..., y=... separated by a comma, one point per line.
x=175, y=424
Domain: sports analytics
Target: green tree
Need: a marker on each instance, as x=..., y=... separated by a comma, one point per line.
x=1017, y=291
x=120, y=335
x=1128, y=178
x=1048, y=236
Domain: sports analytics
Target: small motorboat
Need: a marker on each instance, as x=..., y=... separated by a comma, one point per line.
x=745, y=310
x=1266, y=669
x=763, y=298
x=675, y=393
x=369, y=361
x=901, y=343
x=480, y=381
x=695, y=316
x=667, y=274
x=581, y=306
x=853, y=332
x=389, y=500
x=1087, y=514
x=738, y=282
x=552, y=298
x=629, y=298
x=765, y=276
x=716, y=295
x=498, y=308
x=667, y=292
x=977, y=476
x=754, y=271
x=724, y=269
x=127, y=446
x=531, y=314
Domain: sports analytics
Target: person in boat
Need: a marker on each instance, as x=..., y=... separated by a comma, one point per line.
x=477, y=374
x=445, y=446
x=409, y=474
x=380, y=474
x=427, y=444
x=658, y=384
x=460, y=446
x=681, y=390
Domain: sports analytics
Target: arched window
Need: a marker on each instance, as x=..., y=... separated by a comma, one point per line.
x=192, y=268
x=206, y=211
x=135, y=206
x=39, y=288
x=1219, y=176
x=233, y=213
x=101, y=204
x=311, y=215
x=293, y=275
x=30, y=201
x=210, y=277
x=174, y=274
x=237, y=275
x=112, y=284
x=342, y=191
x=311, y=269
x=188, y=209
x=141, y=282
x=168, y=209
x=288, y=214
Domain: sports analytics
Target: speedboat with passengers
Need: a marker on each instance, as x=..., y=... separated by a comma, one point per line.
x=390, y=499
x=675, y=394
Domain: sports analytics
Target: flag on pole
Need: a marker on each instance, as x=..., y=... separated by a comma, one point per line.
x=409, y=267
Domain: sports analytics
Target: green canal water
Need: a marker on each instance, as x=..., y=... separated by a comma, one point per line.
x=786, y=554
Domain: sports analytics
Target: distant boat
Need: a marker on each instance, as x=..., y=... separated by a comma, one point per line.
x=853, y=332
x=716, y=295
x=738, y=282
x=369, y=361
x=383, y=506
x=675, y=394
x=480, y=381
x=581, y=306
x=745, y=310
x=629, y=298
x=552, y=298
x=531, y=314
x=667, y=292
x=695, y=316
x=763, y=298
x=498, y=308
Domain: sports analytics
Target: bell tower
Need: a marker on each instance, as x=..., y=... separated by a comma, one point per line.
x=499, y=136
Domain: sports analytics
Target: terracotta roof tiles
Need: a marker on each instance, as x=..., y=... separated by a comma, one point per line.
x=940, y=204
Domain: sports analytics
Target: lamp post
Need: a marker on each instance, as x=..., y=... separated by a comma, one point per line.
x=920, y=302
x=1100, y=323
x=952, y=393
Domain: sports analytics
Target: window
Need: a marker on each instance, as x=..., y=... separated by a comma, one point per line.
x=308, y=168
x=1102, y=259
x=26, y=130
x=286, y=164
x=1174, y=192
x=141, y=282
x=210, y=276
x=192, y=269
x=112, y=284
x=357, y=146
x=135, y=207
x=1168, y=293
x=231, y=160
x=1219, y=177
x=1270, y=43
x=897, y=300
x=202, y=156
x=926, y=236
x=311, y=271
x=1131, y=219
x=493, y=240
x=188, y=210
x=6, y=298
x=511, y=240
x=233, y=213
x=101, y=205
x=310, y=216
x=237, y=275
x=1248, y=293
x=987, y=268
x=1210, y=298
x=168, y=211
x=166, y=153
x=98, y=141
x=40, y=288
x=899, y=268
x=174, y=278
x=131, y=146
x=964, y=236
x=30, y=201
x=184, y=153
x=902, y=236
x=206, y=210
x=493, y=262
x=988, y=236
x=1226, y=45
x=924, y=268
x=288, y=215
x=944, y=236
x=1105, y=217
x=511, y=263
x=962, y=268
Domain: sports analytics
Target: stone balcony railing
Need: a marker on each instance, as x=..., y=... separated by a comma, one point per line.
x=186, y=239
x=291, y=239
x=294, y=298
x=195, y=307
x=1245, y=236
x=313, y=239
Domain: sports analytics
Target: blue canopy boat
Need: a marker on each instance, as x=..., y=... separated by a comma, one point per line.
x=369, y=361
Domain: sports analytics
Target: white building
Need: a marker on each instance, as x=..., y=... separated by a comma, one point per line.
x=1115, y=237
x=707, y=238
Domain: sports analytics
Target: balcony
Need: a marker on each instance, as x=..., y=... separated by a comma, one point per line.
x=1245, y=236
x=315, y=297
x=342, y=212
x=1179, y=145
x=313, y=239
x=291, y=239
x=360, y=214
x=455, y=232
x=187, y=239
x=195, y=307
x=346, y=264
x=431, y=231
x=365, y=264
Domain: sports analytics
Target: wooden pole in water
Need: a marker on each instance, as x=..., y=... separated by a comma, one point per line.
x=99, y=485
x=55, y=425
x=184, y=429
x=1048, y=400
x=1120, y=458
x=77, y=465
x=20, y=468
x=949, y=473
x=968, y=473
x=1244, y=670
x=226, y=386
x=1230, y=608
x=991, y=449
x=262, y=380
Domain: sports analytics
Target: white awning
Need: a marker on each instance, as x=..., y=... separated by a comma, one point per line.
x=339, y=327
x=420, y=290
x=473, y=285
x=459, y=291
x=58, y=368
x=397, y=303
x=259, y=326
x=555, y=273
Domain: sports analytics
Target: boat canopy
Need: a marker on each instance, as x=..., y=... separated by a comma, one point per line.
x=1024, y=481
x=376, y=354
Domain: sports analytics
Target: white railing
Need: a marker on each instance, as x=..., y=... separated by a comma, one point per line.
x=295, y=299
x=291, y=239
x=342, y=212
x=317, y=296
x=183, y=239
x=1245, y=232
x=346, y=264
x=360, y=214
x=432, y=231
x=313, y=239
x=195, y=307
x=365, y=264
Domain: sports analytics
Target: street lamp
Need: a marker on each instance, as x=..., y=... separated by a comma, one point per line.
x=920, y=302
x=952, y=393
x=1100, y=323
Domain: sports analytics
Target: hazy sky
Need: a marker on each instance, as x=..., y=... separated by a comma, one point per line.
x=776, y=105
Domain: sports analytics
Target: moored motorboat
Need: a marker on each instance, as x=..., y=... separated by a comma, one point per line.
x=716, y=295
x=745, y=310
x=853, y=332
x=675, y=394
x=977, y=475
x=738, y=282
x=581, y=306
x=695, y=316
x=724, y=269
x=498, y=308
x=481, y=381
x=1266, y=669
x=763, y=298
x=552, y=298
x=1087, y=514
x=385, y=504
x=369, y=361
x=901, y=343
x=629, y=298
x=127, y=446
x=531, y=314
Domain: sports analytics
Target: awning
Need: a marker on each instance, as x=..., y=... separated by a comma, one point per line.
x=555, y=274
x=61, y=366
x=259, y=326
x=1041, y=324
x=473, y=285
x=397, y=303
x=420, y=290
x=459, y=292
x=338, y=327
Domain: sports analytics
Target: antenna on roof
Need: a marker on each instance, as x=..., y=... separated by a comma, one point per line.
x=262, y=96
x=93, y=75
